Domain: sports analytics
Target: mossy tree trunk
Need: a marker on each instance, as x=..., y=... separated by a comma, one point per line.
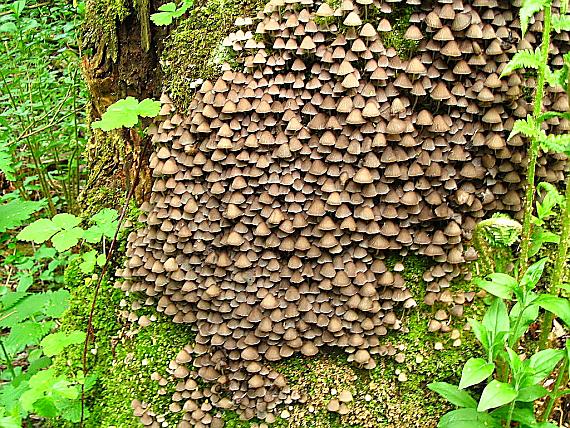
x=124, y=54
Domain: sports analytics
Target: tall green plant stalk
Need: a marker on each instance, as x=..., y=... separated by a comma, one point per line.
x=535, y=143
x=559, y=266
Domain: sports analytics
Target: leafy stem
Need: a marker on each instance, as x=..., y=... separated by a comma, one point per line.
x=535, y=142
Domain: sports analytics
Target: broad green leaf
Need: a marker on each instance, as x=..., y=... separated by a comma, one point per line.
x=125, y=113
x=453, y=394
x=532, y=393
x=529, y=315
x=541, y=236
x=550, y=200
x=89, y=260
x=500, y=285
x=475, y=370
x=496, y=394
x=542, y=364
x=528, y=9
x=515, y=362
x=559, y=306
x=533, y=274
x=468, y=418
x=45, y=407
x=56, y=342
x=480, y=332
x=39, y=231
x=16, y=212
x=65, y=220
x=496, y=318
x=523, y=59
x=67, y=238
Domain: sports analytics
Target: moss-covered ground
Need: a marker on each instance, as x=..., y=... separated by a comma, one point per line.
x=123, y=356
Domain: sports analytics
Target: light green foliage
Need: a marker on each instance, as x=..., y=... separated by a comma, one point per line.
x=15, y=211
x=65, y=233
x=126, y=112
x=29, y=318
x=512, y=383
x=169, y=11
x=528, y=9
x=42, y=97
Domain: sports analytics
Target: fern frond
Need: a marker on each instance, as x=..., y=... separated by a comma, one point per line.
x=523, y=59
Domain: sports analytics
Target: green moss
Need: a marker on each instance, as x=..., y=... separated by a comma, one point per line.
x=193, y=50
x=100, y=29
x=395, y=38
x=122, y=355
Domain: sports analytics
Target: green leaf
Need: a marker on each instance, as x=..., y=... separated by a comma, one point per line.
x=453, y=394
x=561, y=23
x=529, y=315
x=168, y=12
x=67, y=238
x=475, y=370
x=468, y=418
x=532, y=393
x=528, y=127
x=45, y=407
x=556, y=143
x=125, y=113
x=542, y=364
x=523, y=59
x=559, y=306
x=496, y=318
x=39, y=231
x=496, y=394
x=528, y=9
x=56, y=342
x=533, y=274
x=550, y=200
x=16, y=212
x=480, y=332
x=541, y=236
x=66, y=221
x=501, y=285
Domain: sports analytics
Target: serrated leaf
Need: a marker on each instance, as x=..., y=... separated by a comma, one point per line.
x=65, y=220
x=66, y=239
x=54, y=343
x=453, y=394
x=496, y=394
x=556, y=143
x=523, y=59
x=528, y=9
x=16, y=212
x=527, y=127
x=39, y=231
x=561, y=23
x=125, y=113
x=475, y=370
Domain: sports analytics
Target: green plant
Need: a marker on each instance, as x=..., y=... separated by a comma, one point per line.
x=30, y=385
x=169, y=11
x=126, y=112
x=512, y=383
x=41, y=115
x=531, y=126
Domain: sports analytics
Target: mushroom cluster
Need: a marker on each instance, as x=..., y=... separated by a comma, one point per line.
x=277, y=197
